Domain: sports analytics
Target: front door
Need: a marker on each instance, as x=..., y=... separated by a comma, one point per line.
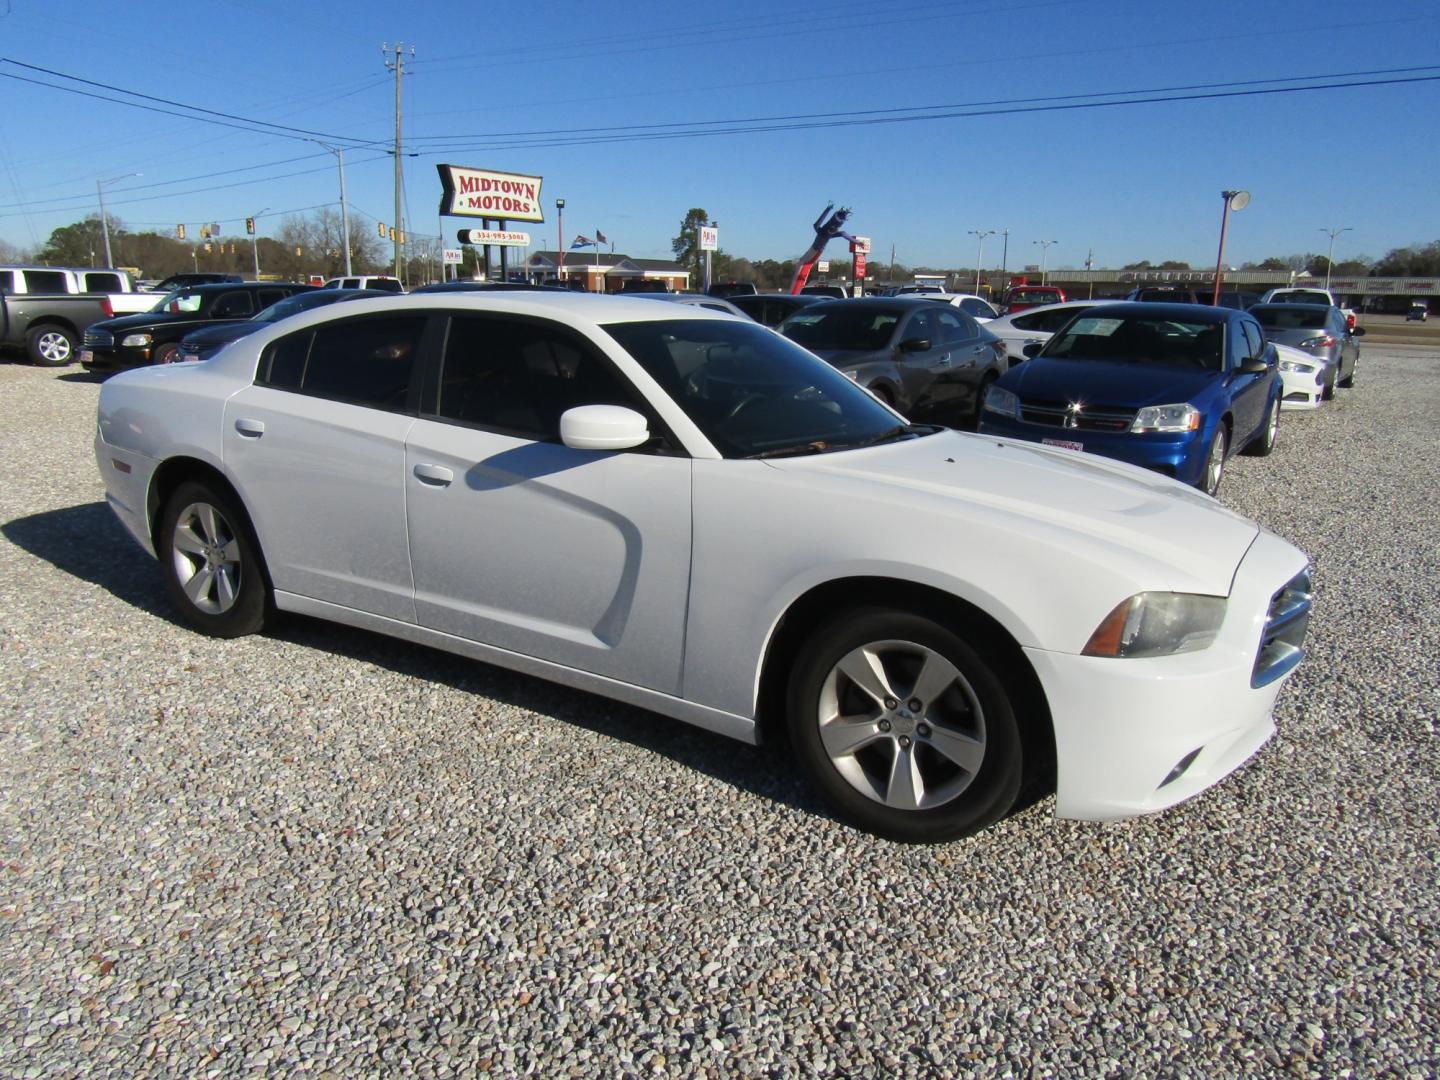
x=578, y=557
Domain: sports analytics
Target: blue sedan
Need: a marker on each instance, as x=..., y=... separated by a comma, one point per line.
x=1176, y=388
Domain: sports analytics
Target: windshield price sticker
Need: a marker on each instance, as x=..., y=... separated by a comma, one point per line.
x=1096, y=327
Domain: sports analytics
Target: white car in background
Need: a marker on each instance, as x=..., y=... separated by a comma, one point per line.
x=1303, y=376
x=686, y=511
x=1033, y=326
x=977, y=307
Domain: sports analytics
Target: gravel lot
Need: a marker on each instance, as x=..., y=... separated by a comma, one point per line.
x=324, y=852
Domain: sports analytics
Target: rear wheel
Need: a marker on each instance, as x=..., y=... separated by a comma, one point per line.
x=905, y=726
x=1263, y=443
x=167, y=354
x=1349, y=381
x=50, y=346
x=211, y=562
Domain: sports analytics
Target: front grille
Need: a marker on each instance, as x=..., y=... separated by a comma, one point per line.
x=99, y=337
x=1059, y=414
x=1285, y=626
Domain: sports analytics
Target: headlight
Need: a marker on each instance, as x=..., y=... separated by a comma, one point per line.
x=1158, y=624
x=135, y=341
x=1167, y=418
x=1295, y=365
x=999, y=400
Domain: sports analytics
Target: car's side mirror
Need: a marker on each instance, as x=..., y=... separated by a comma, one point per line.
x=1254, y=365
x=916, y=344
x=1358, y=331
x=1033, y=349
x=603, y=427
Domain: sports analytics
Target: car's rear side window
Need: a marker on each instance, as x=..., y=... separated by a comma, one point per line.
x=45, y=281
x=101, y=281
x=361, y=361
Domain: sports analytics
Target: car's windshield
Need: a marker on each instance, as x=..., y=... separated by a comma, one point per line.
x=180, y=301
x=1306, y=318
x=1139, y=340
x=1301, y=298
x=861, y=325
x=752, y=392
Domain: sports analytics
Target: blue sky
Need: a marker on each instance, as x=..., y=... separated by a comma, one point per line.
x=1128, y=182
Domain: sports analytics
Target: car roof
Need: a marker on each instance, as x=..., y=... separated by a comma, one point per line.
x=596, y=308
x=231, y=286
x=1176, y=312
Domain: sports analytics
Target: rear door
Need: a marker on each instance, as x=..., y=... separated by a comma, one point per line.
x=317, y=448
x=1249, y=394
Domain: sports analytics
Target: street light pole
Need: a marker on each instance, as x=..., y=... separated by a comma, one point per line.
x=105, y=221
x=980, y=234
x=1234, y=200
x=1044, y=254
x=1005, y=257
x=560, y=240
x=1330, y=255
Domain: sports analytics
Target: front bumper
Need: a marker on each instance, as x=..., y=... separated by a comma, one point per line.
x=1133, y=736
x=1180, y=455
x=114, y=357
x=126, y=476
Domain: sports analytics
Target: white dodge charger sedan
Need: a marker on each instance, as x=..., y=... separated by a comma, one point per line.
x=688, y=512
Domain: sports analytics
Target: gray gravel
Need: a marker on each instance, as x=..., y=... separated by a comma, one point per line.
x=322, y=852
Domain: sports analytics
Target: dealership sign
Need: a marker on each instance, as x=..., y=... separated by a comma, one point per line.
x=495, y=237
x=709, y=238
x=482, y=193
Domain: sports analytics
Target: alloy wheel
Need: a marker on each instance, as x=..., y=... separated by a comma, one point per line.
x=206, y=555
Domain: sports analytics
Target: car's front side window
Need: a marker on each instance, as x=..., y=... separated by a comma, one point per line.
x=519, y=376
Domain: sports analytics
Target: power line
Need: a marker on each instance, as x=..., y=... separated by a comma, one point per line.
x=279, y=129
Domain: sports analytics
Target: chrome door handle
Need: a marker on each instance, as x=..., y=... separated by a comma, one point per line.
x=434, y=475
x=250, y=429
x=943, y=361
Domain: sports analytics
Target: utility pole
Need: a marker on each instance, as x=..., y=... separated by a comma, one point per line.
x=1005, y=258
x=397, y=65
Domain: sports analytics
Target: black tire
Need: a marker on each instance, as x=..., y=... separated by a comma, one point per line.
x=885, y=396
x=166, y=354
x=218, y=559
x=50, y=345
x=1262, y=444
x=1349, y=381
x=1215, y=456
x=980, y=392
x=971, y=713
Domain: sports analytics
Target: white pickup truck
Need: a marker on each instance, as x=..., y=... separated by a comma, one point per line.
x=1307, y=295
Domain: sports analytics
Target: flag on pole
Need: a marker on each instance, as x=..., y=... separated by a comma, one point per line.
x=581, y=240
x=601, y=238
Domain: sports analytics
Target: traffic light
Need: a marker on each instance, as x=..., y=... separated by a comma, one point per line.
x=379, y=227
x=205, y=234
x=179, y=232
x=297, y=249
x=392, y=233
x=250, y=225
x=402, y=236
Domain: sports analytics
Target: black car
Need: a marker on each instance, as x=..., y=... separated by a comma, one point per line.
x=181, y=281
x=771, y=309
x=153, y=337
x=931, y=362
x=208, y=340
x=726, y=289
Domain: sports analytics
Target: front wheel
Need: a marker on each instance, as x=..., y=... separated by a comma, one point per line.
x=1263, y=443
x=905, y=727
x=1215, y=461
x=50, y=346
x=167, y=354
x=211, y=562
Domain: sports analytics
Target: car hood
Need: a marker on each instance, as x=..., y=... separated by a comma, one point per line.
x=144, y=319
x=1108, y=382
x=1079, y=501
x=225, y=332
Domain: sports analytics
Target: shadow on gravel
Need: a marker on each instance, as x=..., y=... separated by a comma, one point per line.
x=766, y=771
x=89, y=543
x=83, y=376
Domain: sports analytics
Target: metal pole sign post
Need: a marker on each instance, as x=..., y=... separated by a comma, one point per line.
x=709, y=241
x=858, y=250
